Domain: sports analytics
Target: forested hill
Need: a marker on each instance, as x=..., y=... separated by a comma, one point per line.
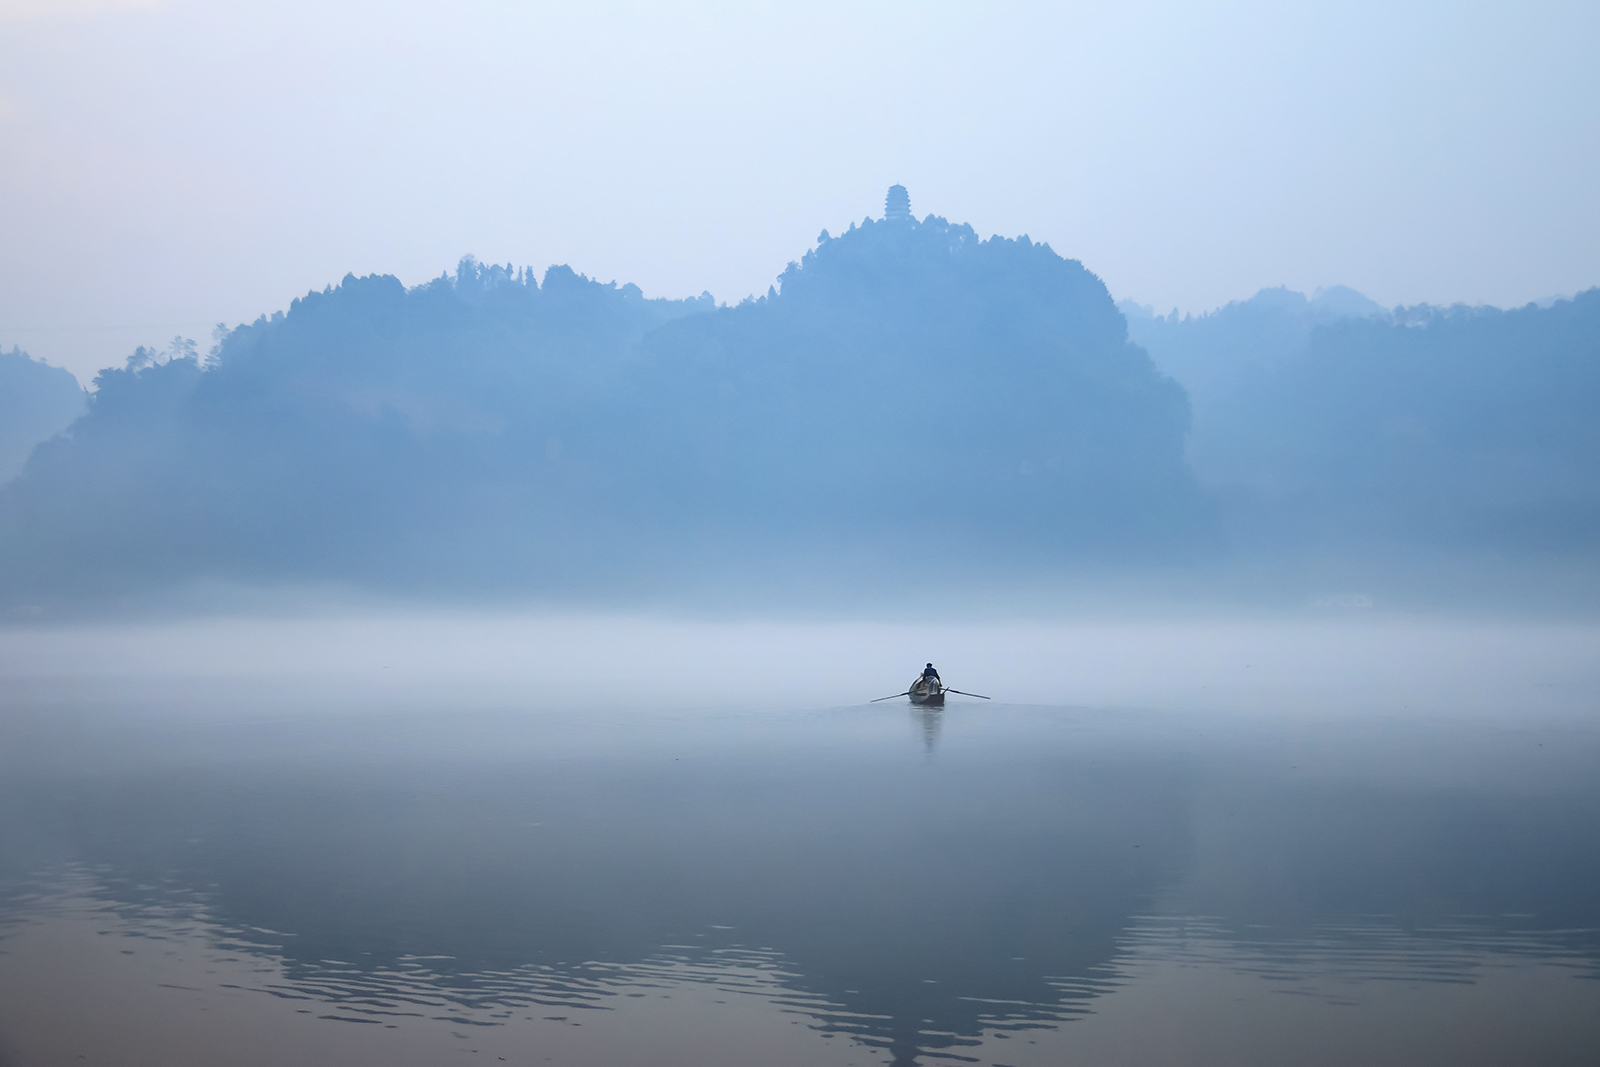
x=1333, y=421
x=1447, y=427
x=907, y=397
x=911, y=382
x=909, y=406
x=37, y=401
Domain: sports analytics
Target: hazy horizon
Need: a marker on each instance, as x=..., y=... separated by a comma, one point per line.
x=714, y=533
x=170, y=165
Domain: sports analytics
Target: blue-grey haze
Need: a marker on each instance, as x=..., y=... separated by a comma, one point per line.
x=37, y=402
x=909, y=402
x=168, y=163
x=1330, y=419
x=470, y=865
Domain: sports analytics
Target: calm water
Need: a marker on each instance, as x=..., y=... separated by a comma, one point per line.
x=991, y=884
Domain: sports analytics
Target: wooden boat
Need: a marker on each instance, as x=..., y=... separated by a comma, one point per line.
x=929, y=692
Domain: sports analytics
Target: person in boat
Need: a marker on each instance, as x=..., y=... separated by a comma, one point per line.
x=931, y=675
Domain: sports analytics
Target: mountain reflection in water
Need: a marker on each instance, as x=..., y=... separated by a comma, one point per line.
x=922, y=890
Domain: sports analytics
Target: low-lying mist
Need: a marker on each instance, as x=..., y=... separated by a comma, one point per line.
x=449, y=662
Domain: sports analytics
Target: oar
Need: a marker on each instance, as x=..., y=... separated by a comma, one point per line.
x=905, y=694
x=980, y=696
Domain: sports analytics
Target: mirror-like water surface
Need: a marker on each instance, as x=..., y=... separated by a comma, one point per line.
x=990, y=883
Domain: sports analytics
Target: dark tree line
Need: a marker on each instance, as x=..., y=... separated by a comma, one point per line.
x=908, y=403
x=908, y=396
x=1461, y=428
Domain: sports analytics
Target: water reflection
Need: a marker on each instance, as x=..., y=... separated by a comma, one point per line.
x=922, y=908
x=928, y=721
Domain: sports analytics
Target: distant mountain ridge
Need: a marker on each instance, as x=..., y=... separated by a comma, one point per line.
x=909, y=407
x=908, y=397
x=1451, y=427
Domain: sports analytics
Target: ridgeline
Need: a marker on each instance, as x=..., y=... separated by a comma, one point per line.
x=909, y=404
x=907, y=397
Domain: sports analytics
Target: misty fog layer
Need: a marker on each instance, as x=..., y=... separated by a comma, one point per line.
x=396, y=660
x=229, y=840
x=910, y=404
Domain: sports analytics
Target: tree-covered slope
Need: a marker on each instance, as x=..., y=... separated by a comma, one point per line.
x=911, y=397
x=1336, y=423
x=36, y=403
x=910, y=381
x=1448, y=427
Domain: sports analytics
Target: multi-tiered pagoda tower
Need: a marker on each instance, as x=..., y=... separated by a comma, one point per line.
x=897, y=205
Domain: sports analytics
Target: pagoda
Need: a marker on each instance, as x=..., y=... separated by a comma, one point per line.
x=897, y=205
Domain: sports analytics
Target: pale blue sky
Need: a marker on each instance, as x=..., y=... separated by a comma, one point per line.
x=167, y=165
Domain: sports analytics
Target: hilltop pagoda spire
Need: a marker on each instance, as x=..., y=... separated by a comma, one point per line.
x=897, y=205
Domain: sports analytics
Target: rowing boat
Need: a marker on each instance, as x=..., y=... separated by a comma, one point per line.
x=927, y=691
